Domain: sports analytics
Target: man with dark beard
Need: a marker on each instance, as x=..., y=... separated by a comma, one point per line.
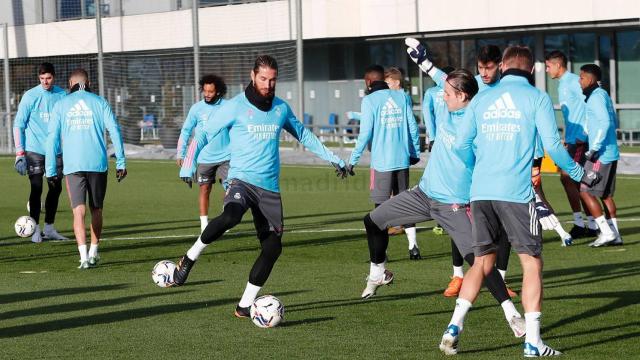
x=213, y=161
x=254, y=119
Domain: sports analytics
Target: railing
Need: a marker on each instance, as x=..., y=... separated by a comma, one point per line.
x=630, y=137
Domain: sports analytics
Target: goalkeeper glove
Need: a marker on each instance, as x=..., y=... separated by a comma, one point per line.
x=343, y=171
x=21, y=163
x=418, y=53
x=546, y=218
x=188, y=180
x=121, y=174
x=590, y=178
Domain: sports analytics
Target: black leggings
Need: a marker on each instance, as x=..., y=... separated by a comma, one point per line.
x=50, y=204
x=270, y=241
x=493, y=282
x=456, y=257
x=504, y=250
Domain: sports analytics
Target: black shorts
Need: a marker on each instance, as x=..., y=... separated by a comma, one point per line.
x=208, y=173
x=265, y=205
x=519, y=221
x=79, y=184
x=36, y=164
x=576, y=151
x=607, y=186
x=383, y=184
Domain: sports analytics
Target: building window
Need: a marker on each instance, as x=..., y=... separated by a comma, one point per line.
x=628, y=51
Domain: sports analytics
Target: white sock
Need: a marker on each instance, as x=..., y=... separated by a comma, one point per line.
x=462, y=307
x=82, y=249
x=592, y=223
x=250, y=294
x=560, y=230
x=376, y=271
x=93, y=250
x=613, y=223
x=603, y=225
x=577, y=219
x=532, y=321
x=411, y=236
x=458, y=271
x=204, y=221
x=503, y=273
x=196, y=249
x=509, y=310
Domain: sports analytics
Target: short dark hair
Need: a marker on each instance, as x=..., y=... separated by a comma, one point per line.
x=592, y=69
x=79, y=72
x=519, y=57
x=447, y=69
x=557, y=55
x=46, y=68
x=217, y=81
x=375, y=69
x=489, y=53
x=463, y=80
x=265, y=61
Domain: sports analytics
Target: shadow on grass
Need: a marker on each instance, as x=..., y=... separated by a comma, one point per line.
x=40, y=294
x=306, y=321
x=356, y=301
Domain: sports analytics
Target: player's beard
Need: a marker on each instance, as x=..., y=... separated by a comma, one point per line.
x=257, y=99
x=270, y=92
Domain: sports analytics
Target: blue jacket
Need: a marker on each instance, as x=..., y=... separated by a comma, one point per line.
x=573, y=108
x=216, y=150
x=601, y=126
x=31, y=123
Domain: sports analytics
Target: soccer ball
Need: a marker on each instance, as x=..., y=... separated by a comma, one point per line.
x=162, y=273
x=25, y=226
x=267, y=311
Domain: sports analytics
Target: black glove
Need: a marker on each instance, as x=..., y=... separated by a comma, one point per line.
x=53, y=180
x=430, y=145
x=591, y=155
x=349, y=168
x=591, y=178
x=341, y=171
x=413, y=161
x=188, y=180
x=121, y=174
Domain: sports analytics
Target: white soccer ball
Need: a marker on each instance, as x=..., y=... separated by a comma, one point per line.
x=267, y=311
x=162, y=273
x=25, y=226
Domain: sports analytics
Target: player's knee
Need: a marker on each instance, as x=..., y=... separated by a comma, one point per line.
x=272, y=247
x=369, y=224
x=36, y=183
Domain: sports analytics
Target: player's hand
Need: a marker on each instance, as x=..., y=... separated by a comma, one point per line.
x=21, y=164
x=413, y=161
x=341, y=171
x=591, y=178
x=121, y=174
x=591, y=155
x=546, y=218
x=188, y=180
x=179, y=162
x=430, y=145
x=418, y=53
x=349, y=168
x=53, y=180
x=535, y=177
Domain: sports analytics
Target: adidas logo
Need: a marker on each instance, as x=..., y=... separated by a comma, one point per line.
x=80, y=109
x=390, y=108
x=502, y=108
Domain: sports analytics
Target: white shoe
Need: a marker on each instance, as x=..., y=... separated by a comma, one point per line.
x=541, y=350
x=372, y=285
x=37, y=235
x=83, y=264
x=603, y=239
x=449, y=342
x=616, y=242
x=51, y=234
x=94, y=260
x=518, y=326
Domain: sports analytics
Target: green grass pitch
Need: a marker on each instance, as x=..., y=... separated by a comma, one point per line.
x=51, y=310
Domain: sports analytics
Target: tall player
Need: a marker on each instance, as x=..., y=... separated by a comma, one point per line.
x=255, y=119
x=572, y=103
x=602, y=156
x=387, y=122
x=30, y=136
x=213, y=161
x=497, y=138
x=78, y=125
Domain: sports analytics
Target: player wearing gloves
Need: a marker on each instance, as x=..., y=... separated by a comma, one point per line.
x=213, y=160
x=602, y=156
x=254, y=119
x=78, y=124
x=387, y=122
x=497, y=140
x=30, y=136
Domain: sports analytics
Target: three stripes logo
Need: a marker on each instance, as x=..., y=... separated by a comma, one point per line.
x=533, y=219
x=80, y=109
x=390, y=108
x=502, y=108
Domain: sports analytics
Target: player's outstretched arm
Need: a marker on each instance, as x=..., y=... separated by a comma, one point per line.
x=185, y=133
x=418, y=53
x=111, y=123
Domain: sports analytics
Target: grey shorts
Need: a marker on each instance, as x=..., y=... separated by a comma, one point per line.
x=79, y=184
x=576, y=151
x=519, y=222
x=414, y=206
x=266, y=206
x=383, y=184
x=36, y=163
x=208, y=173
x=607, y=186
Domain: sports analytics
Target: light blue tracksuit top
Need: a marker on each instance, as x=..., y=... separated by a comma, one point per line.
x=601, y=126
x=31, y=123
x=573, y=107
x=216, y=150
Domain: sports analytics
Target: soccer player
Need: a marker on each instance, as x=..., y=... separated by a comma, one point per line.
x=213, y=161
x=488, y=62
x=497, y=139
x=254, y=119
x=30, y=136
x=572, y=103
x=602, y=156
x=78, y=124
x=387, y=122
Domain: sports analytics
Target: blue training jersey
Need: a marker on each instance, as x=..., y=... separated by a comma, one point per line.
x=255, y=140
x=387, y=121
x=573, y=107
x=601, y=126
x=31, y=123
x=217, y=148
x=482, y=86
x=501, y=125
x=78, y=121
